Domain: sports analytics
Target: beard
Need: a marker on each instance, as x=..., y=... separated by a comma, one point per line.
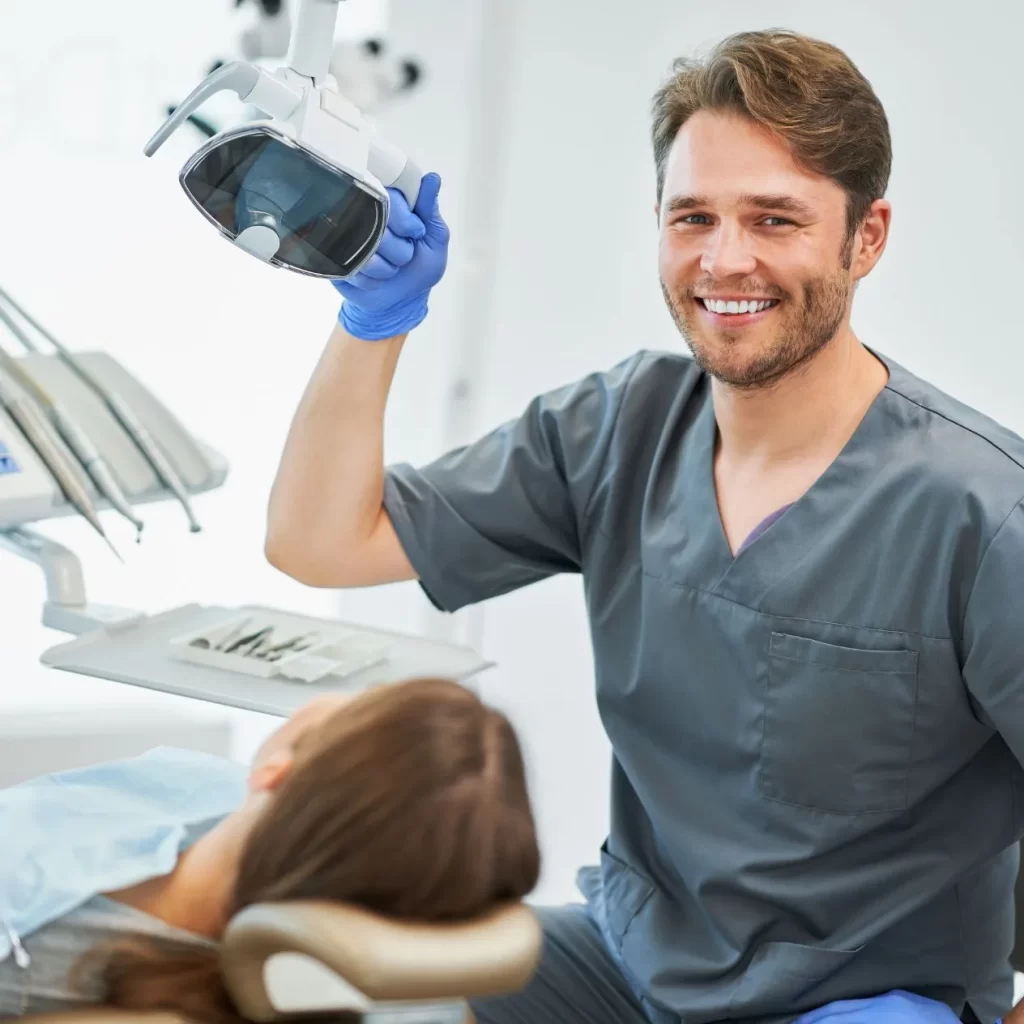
x=801, y=332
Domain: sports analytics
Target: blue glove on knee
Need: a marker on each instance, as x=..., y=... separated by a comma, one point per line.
x=895, y=1007
x=389, y=295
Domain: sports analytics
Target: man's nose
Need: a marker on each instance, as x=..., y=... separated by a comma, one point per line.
x=728, y=253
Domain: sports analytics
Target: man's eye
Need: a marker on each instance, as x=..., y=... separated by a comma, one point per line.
x=694, y=218
x=779, y=220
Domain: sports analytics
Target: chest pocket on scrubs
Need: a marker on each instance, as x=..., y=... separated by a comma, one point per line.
x=838, y=726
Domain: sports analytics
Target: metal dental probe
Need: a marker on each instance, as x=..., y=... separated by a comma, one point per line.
x=279, y=648
x=234, y=634
x=77, y=440
x=251, y=651
x=38, y=433
x=246, y=640
x=144, y=441
x=289, y=644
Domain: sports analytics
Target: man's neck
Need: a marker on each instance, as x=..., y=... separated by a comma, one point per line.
x=814, y=408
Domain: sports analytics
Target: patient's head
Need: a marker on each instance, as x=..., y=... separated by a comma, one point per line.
x=409, y=800
x=283, y=742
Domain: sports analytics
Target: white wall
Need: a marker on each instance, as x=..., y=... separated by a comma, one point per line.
x=39, y=742
x=571, y=269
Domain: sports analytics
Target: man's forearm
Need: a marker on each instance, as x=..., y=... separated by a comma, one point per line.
x=327, y=496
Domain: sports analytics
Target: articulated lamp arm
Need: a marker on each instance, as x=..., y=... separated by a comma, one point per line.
x=312, y=42
x=309, y=55
x=237, y=77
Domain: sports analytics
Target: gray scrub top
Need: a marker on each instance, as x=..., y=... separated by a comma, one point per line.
x=817, y=783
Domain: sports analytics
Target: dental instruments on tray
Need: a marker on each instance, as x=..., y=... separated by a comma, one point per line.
x=64, y=444
x=76, y=439
x=263, y=646
x=121, y=410
x=39, y=435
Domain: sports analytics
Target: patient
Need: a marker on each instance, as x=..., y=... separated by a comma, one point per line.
x=409, y=800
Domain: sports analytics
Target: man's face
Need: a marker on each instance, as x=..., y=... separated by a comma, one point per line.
x=740, y=221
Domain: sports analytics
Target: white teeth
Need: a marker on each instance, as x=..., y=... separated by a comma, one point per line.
x=733, y=307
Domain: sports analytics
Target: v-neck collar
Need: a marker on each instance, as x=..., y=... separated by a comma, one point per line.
x=757, y=566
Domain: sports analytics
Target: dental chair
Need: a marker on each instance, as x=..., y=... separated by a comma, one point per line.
x=386, y=972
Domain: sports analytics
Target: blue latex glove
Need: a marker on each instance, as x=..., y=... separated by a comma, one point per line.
x=389, y=295
x=896, y=1007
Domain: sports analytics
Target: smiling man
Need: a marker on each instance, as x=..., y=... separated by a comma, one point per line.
x=802, y=567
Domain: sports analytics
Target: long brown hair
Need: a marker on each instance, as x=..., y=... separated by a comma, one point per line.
x=411, y=802
x=804, y=91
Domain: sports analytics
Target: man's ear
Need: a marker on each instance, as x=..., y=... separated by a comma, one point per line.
x=271, y=773
x=874, y=233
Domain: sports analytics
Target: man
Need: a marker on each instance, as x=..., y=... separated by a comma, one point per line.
x=801, y=568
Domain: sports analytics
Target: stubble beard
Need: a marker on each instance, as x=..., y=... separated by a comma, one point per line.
x=802, y=332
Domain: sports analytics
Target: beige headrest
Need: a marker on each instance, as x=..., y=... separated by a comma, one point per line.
x=382, y=958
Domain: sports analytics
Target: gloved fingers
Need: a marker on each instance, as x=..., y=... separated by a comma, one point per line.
x=357, y=285
x=427, y=208
x=378, y=269
x=395, y=249
x=348, y=288
x=401, y=220
x=426, y=201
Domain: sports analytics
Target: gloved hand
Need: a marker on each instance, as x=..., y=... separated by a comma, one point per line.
x=389, y=295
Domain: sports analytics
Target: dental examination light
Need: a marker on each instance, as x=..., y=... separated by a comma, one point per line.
x=306, y=187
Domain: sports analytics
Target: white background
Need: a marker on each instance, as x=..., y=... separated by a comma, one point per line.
x=535, y=114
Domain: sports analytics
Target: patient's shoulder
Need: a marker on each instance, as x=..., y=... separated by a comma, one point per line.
x=54, y=980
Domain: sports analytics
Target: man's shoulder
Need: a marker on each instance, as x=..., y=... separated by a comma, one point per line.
x=649, y=378
x=625, y=395
x=954, y=442
x=656, y=369
x=646, y=368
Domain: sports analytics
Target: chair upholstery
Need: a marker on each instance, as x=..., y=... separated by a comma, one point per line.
x=385, y=960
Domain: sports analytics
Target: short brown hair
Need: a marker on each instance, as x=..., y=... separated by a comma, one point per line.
x=411, y=802
x=804, y=91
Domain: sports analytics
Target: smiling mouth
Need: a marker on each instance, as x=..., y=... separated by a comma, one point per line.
x=731, y=307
